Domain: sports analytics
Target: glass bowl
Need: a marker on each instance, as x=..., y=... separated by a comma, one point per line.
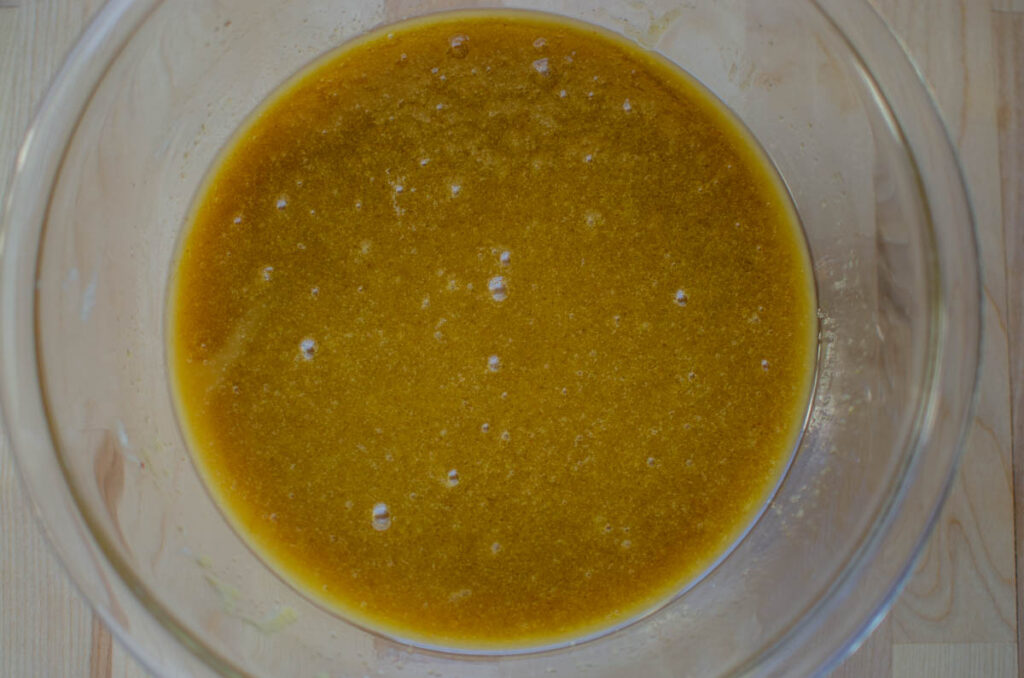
x=101, y=188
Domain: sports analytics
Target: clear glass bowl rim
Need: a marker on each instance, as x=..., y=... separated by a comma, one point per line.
x=24, y=212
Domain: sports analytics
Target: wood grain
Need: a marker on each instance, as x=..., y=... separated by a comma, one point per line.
x=963, y=587
x=1008, y=44
x=46, y=629
x=100, y=651
x=952, y=660
x=958, y=615
x=872, y=658
x=962, y=595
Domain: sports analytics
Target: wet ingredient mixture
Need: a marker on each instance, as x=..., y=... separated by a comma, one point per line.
x=491, y=330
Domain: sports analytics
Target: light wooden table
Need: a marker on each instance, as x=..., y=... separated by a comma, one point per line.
x=957, y=616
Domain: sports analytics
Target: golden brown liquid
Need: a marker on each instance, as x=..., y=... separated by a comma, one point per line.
x=491, y=330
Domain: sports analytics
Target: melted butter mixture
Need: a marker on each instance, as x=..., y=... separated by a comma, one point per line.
x=491, y=330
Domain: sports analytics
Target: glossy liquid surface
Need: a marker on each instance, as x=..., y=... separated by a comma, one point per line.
x=491, y=330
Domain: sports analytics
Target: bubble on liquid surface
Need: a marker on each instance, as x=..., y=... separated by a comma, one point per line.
x=681, y=298
x=626, y=106
x=268, y=272
x=498, y=288
x=505, y=258
x=540, y=43
x=541, y=66
x=381, y=517
x=307, y=347
x=485, y=427
x=282, y=203
x=764, y=365
x=493, y=363
x=458, y=45
x=453, y=478
x=456, y=189
x=495, y=548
